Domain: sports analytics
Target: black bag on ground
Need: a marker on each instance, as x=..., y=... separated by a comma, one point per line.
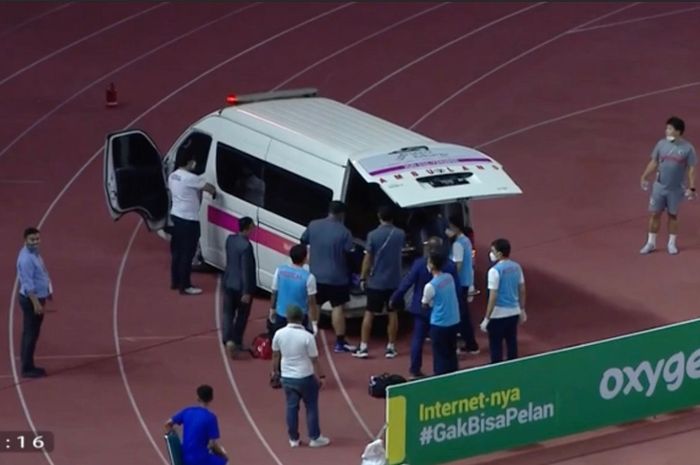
x=379, y=383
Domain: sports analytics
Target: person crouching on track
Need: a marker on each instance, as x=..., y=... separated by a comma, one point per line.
x=293, y=285
x=440, y=294
x=417, y=278
x=200, y=444
x=295, y=360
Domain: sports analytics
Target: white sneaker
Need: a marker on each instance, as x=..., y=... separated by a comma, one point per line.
x=672, y=249
x=294, y=443
x=320, y=441
x=192, y=291
x=647, y=249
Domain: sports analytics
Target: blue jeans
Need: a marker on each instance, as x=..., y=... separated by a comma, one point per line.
x=421, y=328
x=302, y=389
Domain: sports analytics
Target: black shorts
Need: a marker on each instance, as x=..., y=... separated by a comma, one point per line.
x=336, y=295
x=378, y=299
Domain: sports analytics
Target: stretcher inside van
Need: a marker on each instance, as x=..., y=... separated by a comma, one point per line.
x=281, y=157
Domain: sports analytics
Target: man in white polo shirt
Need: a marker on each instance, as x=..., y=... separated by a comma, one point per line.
x=185, y=190
x=295, y=360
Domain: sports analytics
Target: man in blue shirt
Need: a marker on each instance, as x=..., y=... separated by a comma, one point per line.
x=506, y=305
x=200, y=431
x=293, y=285
x=381, y=275
x=461, y=254
x=330, y=242
x=441, y=297
x=34, y=290
x=417, y=278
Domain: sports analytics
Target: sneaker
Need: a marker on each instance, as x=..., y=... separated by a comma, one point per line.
x=191, y=291
x=294, y=443
x=344, y=347
x=390, y=353
x=418, y=375
x=34, y=373
x=647, y=249
x=320, y=441
x=672, y=249
x=360, y=353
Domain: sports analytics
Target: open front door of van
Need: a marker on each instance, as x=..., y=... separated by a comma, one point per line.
x=134, y=178
x=430, y=175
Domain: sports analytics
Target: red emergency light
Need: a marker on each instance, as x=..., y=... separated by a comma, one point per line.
x=231, y=99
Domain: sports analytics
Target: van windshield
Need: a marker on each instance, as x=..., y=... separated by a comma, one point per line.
x=363, y=200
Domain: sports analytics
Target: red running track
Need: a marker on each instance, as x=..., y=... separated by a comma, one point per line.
x=569, y=97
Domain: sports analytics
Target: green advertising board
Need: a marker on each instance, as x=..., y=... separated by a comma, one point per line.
x=498, y=407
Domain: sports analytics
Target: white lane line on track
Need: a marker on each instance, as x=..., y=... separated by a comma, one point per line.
x=527, y=52
x=78, y=42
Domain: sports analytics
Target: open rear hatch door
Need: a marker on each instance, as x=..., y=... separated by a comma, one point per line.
x=133, y=178
x=430, y=175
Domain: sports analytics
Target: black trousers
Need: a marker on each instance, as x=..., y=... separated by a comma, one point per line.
x=183, y=247
x=31, y=327
x=466, y=328
x=234, y=317
x=444, y=342
x=500, y=330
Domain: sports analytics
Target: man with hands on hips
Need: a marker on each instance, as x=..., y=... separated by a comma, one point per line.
x=506, y=304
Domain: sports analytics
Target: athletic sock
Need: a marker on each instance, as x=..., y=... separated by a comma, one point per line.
x=390, y=346
x=363, y=346
x=340, y=340
x=651, y=239
x=672, y=239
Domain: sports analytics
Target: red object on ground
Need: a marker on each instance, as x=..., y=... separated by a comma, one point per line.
x=111, y=95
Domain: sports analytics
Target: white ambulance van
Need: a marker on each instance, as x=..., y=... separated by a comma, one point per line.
x=281, y=157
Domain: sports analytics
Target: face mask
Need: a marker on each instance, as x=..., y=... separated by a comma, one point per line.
x=492, y=257
x=33, y=247
x=670, y=138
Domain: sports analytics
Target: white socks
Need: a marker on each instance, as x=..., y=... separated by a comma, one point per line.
x=363, y=346
x=652, y=239
x=672, y=240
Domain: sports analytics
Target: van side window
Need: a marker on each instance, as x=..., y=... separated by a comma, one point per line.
x=196, y=146
x=294, y=197
x=240, y=174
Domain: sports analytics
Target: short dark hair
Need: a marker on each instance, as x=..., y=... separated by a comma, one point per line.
x=298, y=254
x=386, y=213
x=30, y=231
x=205, y=393
x=437, y=259
x=245, y=223
x=456, y=222
x=677, y=123
x=294, y=314
x=502, y=246
x=336, y=207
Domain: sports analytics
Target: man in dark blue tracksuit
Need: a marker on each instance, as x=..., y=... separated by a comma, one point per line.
x=417, y=278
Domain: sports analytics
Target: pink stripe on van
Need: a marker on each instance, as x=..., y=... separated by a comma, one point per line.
x=260, y=235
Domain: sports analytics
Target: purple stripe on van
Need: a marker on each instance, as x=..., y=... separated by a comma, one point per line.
x=410, y=166
x=260, y=235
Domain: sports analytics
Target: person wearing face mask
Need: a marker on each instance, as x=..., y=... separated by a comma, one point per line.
x=185, y=189
x=673, y=159
x=461, y=255
x=506, y=303
x=34, y=290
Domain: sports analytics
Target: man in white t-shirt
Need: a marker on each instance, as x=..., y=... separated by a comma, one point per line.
x=295, y=360
x=185, y=191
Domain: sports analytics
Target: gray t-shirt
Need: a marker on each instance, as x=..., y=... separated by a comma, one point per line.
x=385, y=244
x=330, y=242
x=673, y=158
